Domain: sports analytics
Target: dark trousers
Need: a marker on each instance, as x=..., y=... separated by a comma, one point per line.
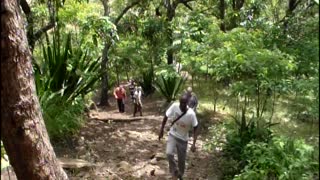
x=137, y=107
x=120, y=105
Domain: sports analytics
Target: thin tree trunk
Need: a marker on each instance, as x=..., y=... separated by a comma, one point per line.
x=104, y=100
x=235, y=19
x=207, y=73
x=127, y=73
x=170, y=51
x=273, y=104
x=192, y=76
x=118, y=75
x=222, y=14
x=171, y=11
x=23, y=131
x=258, y=101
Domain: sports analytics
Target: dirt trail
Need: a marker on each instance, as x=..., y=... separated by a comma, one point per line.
x=128, y=148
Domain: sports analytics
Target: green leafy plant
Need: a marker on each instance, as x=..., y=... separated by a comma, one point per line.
x=244, y=131
x=4, y=157
x=281, y=158
x=169, y=86
x=62, y=118
x=146, y=83
x=67, y=71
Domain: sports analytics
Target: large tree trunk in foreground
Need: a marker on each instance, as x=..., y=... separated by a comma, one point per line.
x=23, y=132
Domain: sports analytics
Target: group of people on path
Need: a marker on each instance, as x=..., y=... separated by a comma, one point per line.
x=183, y=122
x=135, y=96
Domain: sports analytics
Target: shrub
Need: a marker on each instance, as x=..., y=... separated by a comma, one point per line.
x=71, y=72
x=62, y=118
x=146, y=83
x=169, y=85
x=282, y=158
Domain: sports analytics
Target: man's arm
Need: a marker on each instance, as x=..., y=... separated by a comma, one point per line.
x=195, y=136
x=115, y=94
x=164, y=121
x=195, y=125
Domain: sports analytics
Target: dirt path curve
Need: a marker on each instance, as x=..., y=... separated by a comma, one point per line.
x=128, y=148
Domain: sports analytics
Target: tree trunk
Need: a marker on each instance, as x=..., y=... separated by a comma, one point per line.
x=235, y=19
x=170, y=50
x=222, y=14
x=170, y=15
x=292, y=5
x=104, y=100
x=34, y=36
x=23, y=132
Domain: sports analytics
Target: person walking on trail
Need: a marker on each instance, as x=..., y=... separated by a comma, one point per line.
x=137, y=101
x=132, y=89
x=192, y=99
x=120, y=94
x=184, y=119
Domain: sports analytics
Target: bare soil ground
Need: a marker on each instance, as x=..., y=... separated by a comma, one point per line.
x=123, y=147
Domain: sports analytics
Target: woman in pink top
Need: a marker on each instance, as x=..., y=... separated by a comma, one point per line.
x=120, y=94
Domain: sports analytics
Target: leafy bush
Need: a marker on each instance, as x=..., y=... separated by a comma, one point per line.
x=232, y=138
x=169, y=86
x=69, y=72
x=242, y=132
x=146, y=83
x=252, y=157
x=62, y=118
x=282, y=158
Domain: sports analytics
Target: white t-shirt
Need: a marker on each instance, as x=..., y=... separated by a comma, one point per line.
x=137, y=95
x=181, y=128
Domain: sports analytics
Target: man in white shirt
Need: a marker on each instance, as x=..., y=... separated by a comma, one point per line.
x=137, y=101
x=179, y=134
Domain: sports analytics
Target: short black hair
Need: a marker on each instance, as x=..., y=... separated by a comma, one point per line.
x=184, y=97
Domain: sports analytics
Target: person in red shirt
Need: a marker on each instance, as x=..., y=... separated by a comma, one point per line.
x=120, y=94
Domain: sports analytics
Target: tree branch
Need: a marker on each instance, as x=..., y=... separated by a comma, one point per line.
x=125, y=10
x=187, y=5
x=44, y=29
x=25, y=7
x=184, y=2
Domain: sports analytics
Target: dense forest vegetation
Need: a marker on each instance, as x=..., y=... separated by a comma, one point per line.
x=256, y=62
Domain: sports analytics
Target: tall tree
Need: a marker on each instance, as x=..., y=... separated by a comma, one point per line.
x=171, y=11
x=105, y=53
x=34, y=36
x=23, y=132
x=235, y=19
x=222, y=9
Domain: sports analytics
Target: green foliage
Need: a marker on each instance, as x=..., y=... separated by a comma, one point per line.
x=257, y=155
x=282, y=158
x=169, y=85
x=147, y=81
x=152, y=29
x=66, y=70
x=3, y=151
x=62, y=118
x=242, y=132
x=4, y=157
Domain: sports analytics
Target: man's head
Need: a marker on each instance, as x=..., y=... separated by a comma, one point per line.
x=189, y=92
x=183, y=102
